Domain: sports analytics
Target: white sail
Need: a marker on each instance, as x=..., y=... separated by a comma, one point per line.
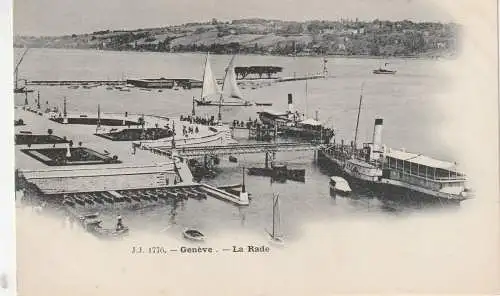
x=231, y=89
x=210, y=87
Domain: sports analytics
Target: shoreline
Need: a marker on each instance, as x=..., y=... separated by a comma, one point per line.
x=413, y=57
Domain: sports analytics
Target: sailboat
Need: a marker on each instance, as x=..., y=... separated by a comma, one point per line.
x=230, y=89
x=210, y=88
x=274, y=236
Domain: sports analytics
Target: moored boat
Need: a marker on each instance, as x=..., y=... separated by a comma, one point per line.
x=279, y=172
x=193, y=234
x=339, y=185
x=384, y=71
x=93, y=225
x=396, y=174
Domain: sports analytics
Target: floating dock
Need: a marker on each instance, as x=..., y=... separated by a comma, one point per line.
x=165, y=83
x=169, y=83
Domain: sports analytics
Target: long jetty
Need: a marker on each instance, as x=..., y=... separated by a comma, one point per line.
x=74, y=82
x=298, y=78
x=177, y=80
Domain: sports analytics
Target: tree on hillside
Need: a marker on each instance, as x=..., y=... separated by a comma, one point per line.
x=414, y=42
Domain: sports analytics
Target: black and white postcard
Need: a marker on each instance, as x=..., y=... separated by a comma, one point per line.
x=252, y=148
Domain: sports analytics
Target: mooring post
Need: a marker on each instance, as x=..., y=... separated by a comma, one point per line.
x=65, y=119
x=243, y=189
x=243, y=193
x=38, y=101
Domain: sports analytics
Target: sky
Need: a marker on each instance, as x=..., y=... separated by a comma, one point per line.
x=60, y=17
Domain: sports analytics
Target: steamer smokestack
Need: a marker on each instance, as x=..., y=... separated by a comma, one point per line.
x=290, y=103
x=377, y=134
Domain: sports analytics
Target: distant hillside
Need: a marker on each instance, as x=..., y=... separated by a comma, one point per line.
x=259, y=36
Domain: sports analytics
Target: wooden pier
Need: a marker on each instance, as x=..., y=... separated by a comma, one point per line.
x=147, y=195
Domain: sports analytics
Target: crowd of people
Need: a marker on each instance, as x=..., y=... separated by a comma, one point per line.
x=199, y=120
x=248, y=124
x=189, y=130
x=212, y=122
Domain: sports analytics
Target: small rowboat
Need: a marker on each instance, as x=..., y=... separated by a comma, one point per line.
x=96, y=229
x=339, y=185
x=92, y=224
x=193, y=234
x=106, y=232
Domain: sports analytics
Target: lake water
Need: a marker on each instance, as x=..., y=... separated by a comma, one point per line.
x=409, y=103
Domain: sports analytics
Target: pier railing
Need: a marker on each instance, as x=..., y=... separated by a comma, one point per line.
x=241, y=149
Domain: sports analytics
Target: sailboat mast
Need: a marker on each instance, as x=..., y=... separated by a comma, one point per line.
x=357, y=120
x=243, y=187
x=98, y=115
x=274, y=215
x=204, y=70
x=306, y=99
x=16, y=69
x=219, y=115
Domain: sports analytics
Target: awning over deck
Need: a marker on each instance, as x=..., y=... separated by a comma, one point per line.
x=273, y=113
x=421, y=160
x=311, y=122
